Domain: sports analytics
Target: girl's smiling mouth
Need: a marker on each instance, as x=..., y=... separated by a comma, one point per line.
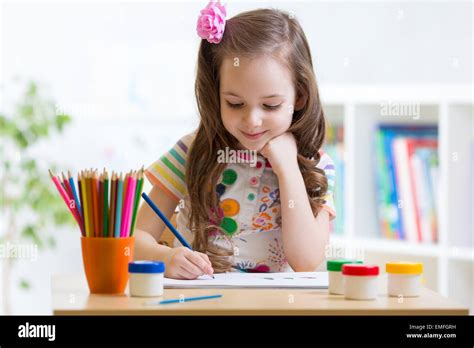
x=253, y=136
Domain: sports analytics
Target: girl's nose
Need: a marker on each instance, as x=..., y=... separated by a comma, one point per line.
x=252, y=120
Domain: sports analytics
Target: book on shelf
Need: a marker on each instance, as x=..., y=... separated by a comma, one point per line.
x=406, y=168
x=334, y=147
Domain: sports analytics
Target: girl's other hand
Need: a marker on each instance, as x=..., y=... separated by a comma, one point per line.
x=183, y=263
x=281, y=151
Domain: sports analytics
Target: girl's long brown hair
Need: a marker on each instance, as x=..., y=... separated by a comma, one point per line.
x=250, y=34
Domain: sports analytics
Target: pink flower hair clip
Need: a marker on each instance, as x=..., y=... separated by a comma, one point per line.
x=211, y=22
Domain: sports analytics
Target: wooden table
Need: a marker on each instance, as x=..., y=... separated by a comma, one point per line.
x=70, y=296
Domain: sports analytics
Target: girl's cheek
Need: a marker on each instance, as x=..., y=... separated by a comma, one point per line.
x=229, y=123
x=282, y=121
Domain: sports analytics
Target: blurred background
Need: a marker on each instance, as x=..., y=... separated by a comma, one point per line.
x=110, y=84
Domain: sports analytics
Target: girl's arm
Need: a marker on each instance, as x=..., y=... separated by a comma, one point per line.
x=304, y=236
x=180, y=262
x=149, y=227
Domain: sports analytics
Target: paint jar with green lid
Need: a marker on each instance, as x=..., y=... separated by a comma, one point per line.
x=336, y=280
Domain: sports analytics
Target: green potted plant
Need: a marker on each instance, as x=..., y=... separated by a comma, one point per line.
x=25, y=186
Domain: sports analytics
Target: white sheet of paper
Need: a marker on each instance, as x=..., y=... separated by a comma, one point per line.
x=304, y=280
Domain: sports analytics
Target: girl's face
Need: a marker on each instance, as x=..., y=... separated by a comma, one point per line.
x=257, y=99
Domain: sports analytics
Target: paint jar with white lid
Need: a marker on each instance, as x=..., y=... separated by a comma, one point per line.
x=360, y=281
x=336, y=279
x=146, y=278
x=404, y=278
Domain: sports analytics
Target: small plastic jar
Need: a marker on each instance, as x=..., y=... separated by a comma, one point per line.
x=360, y=281
x=404, y=278
x=146, y=278
x=336, y=280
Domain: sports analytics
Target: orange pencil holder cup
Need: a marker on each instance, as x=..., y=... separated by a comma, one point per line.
x=106, y=263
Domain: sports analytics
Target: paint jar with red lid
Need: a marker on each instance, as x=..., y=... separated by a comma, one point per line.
x=360, y=281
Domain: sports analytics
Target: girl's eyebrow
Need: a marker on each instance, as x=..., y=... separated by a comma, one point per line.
x=266, y=97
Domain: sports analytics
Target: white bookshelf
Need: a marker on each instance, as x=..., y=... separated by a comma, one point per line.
x=449, y=264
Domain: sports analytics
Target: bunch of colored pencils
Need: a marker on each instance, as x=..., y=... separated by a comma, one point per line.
x=102, y=207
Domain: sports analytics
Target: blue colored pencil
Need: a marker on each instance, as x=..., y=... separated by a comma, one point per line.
x=74, y=193
x=118, y=212
x=165, y=220
x=186, y=299
x=168, y=223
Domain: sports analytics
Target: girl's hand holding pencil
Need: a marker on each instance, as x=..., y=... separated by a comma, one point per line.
x=183, y=263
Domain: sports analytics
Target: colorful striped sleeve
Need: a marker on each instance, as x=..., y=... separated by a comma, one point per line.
x=326, y=163
x=168, y=172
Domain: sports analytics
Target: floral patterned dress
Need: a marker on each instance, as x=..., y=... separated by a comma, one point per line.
x=250, y=209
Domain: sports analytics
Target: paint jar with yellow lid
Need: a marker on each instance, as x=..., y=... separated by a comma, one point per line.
x=404, y=278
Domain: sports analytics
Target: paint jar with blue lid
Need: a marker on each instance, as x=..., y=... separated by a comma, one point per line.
x=146, y=278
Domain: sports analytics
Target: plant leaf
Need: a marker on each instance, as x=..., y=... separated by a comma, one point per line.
x=24, y=284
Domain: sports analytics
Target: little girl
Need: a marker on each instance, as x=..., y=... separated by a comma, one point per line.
x=268, y=208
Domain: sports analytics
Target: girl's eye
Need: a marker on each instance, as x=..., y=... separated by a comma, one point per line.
x=272, y=107
x=234, y=106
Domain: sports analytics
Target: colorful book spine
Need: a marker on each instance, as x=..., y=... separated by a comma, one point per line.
x=402, y=209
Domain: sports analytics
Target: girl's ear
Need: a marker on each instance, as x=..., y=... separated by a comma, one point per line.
x=301, y=99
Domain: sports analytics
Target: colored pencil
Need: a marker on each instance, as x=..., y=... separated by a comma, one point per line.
x=72, y=200
x=63, y=184
x=138, y=193
x=118, y=212
x=89, y=204
x=84, y=201
x=66, y=186
x=92, y=208
x=68, y=189
x=85, y=204
x=64, y=195
x=100, y=206
x=186, y=299
x=126, y=195
x=166, y=221
x=113, y=200
x=125, y=183
x=79, y=185
x=124, y=203
x=130, y=204
x=81, y=199
x=95, y=203
x=74, y=193
x=106, y=203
